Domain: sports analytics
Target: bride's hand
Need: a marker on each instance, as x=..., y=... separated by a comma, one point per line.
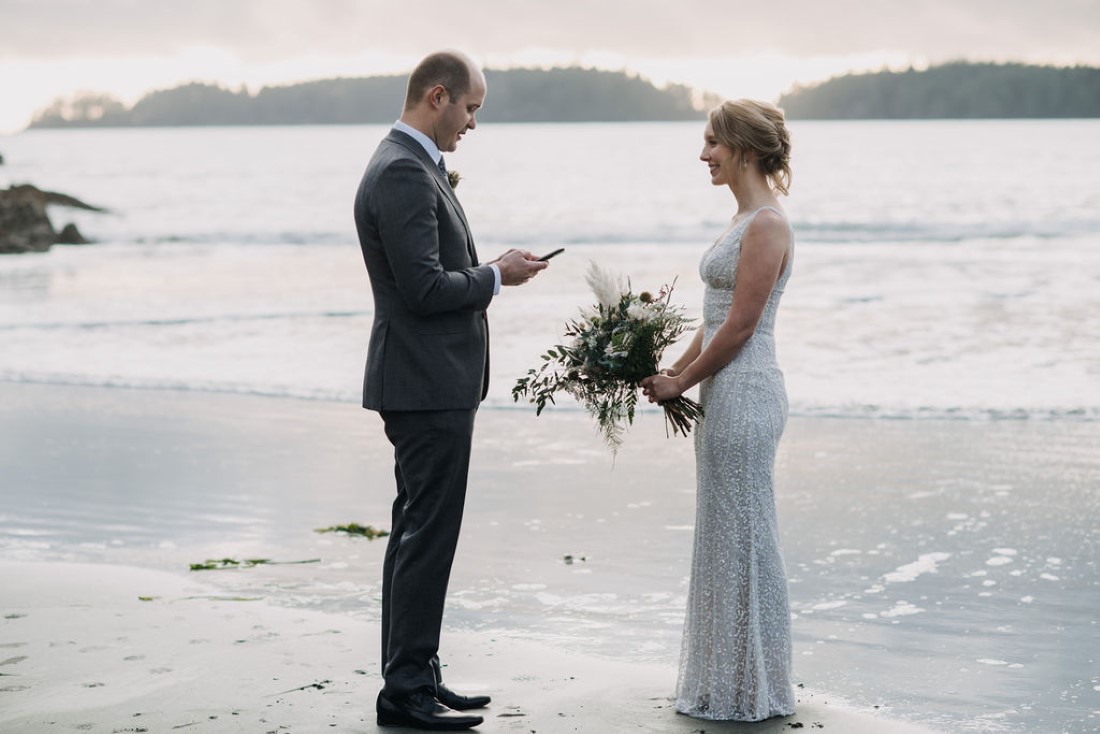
x=661, y=387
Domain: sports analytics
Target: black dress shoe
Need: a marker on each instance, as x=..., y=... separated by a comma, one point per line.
x=421, y=710
x=452, y=700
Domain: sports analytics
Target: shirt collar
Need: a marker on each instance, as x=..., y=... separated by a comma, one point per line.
x=425, y=142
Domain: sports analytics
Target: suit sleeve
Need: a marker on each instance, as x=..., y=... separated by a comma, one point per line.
x=406, y=200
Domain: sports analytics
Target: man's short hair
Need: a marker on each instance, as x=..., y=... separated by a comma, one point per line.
x=444, y=68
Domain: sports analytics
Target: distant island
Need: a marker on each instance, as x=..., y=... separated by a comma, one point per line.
x=515, y=95
x=953, y=90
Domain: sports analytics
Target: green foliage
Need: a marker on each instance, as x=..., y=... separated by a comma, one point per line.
x=88, y=107
x=367, y=531
x=613, y=347
x=515, y=95
x=232, y=563
x=193, y=104
x=582, y=95
x=214, y=565
x=954, y=90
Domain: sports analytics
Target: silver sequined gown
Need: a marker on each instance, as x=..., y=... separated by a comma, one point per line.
x=735, y=662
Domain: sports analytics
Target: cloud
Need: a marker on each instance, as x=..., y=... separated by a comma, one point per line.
x=263, y=30
x=52, y=48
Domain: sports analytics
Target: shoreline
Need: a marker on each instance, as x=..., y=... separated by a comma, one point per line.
x=114, y=648
x=935, y=567
x=1040, y=414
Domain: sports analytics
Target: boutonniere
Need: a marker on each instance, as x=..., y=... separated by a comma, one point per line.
x=453, y=177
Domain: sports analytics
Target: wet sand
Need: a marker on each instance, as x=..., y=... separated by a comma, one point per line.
x=118, y=649
x=942, y=573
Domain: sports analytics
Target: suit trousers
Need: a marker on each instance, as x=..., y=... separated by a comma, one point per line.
x=431, y=464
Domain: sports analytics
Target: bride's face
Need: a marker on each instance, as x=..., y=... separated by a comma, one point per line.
x=719, y=159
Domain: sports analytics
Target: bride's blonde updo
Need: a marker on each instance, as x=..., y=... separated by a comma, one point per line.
x=747, y=125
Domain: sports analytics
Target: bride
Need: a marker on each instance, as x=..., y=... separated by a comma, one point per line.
x=735, y=660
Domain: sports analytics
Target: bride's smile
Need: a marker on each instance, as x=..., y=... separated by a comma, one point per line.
x=717, y=157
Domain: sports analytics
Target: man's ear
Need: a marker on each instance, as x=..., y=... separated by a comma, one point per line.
x=437, y=94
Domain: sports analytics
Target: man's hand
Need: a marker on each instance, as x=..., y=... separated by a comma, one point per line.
x=518, y=266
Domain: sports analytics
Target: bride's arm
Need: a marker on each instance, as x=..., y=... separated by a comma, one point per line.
x=763, y=251
x=688, y=356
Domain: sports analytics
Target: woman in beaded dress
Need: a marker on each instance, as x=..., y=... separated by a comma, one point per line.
x=735, y=662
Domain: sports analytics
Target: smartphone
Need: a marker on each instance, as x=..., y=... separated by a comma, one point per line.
x=549, y=255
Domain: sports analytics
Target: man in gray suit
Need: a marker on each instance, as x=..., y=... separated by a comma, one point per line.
x=427, y=371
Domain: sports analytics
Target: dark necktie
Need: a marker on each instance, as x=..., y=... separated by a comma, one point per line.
x=442, y=167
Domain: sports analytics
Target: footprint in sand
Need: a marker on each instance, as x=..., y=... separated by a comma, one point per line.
x=6, y=645
x=14, y=689
x=160, y=671
x=94, y=685
x=14, y=616
x=14, y=660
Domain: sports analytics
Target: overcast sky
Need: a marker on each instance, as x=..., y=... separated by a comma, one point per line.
x=51, y=48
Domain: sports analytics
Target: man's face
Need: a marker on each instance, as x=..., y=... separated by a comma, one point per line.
x=456, y=116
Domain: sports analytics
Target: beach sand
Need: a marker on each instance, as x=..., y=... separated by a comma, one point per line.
x=118, y=649
x=943, y=574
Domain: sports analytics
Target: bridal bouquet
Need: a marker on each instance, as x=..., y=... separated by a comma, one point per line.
x=613, y=346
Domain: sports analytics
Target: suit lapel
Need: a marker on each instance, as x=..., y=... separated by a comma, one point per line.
x=440, y=180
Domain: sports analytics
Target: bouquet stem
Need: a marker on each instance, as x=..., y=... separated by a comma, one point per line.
x=680, y=414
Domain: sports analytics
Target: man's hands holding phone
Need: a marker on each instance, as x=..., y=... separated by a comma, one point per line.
x=519, y=266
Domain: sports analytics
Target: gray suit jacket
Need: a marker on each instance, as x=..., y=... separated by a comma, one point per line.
x=429, y=345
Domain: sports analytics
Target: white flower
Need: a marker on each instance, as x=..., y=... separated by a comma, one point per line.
x=578, y=342
x=608, y=288
x=640, y=312
x=612, y=353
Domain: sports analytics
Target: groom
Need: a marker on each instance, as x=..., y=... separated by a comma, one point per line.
x=427, y=371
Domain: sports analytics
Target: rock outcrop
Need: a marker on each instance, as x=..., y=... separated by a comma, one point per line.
x=25, y=224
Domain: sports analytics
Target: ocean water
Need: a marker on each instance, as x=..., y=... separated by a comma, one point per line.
x=941, y=571
x=943, y=269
